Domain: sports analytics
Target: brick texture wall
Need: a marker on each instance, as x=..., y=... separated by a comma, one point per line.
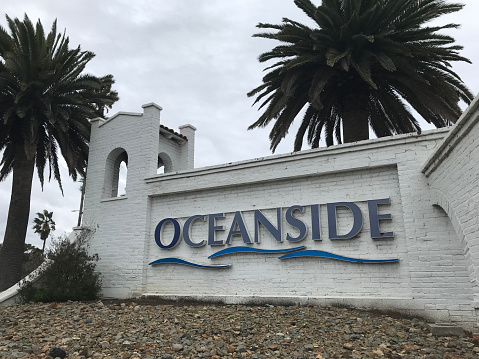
x=436, y=268
x=453, y=175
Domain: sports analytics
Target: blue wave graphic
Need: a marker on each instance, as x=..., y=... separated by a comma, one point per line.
x=322, y=254
x=244, y=249
x=182, y=261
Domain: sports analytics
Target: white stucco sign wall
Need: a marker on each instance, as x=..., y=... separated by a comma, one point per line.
x=361, y=224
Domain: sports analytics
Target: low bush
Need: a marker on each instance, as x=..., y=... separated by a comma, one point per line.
x=69, y=274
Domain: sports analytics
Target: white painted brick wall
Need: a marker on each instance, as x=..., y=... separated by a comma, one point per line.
x=316, y=278
x=433, y=276
x=120, y=223
x=452, y=173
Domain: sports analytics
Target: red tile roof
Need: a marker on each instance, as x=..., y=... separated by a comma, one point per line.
x=174, y=132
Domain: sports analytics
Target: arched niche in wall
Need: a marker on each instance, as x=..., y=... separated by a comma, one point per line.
x=443, y=206
x=164, y=164
x=457, y=252
x=115, y=173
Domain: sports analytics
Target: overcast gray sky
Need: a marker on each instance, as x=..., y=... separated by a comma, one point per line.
x=196, y=59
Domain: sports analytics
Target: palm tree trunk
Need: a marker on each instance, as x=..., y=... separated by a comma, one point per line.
x=355, y=126
x=11, y=254
x=82, y=198
x=355, y=117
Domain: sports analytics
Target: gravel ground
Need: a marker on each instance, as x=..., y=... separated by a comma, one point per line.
x=130, y=331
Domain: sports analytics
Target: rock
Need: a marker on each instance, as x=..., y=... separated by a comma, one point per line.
x=86, y=352
x=376, y=353
x=57, y=353
x=134, y=330
x=177, y=347
x=17, y=355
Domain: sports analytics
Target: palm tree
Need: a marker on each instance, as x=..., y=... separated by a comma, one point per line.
x=44, y=224
x=361, y=63
x=45, y=104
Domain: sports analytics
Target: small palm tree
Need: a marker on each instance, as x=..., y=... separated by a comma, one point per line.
x=46, y=101
x=359, y=66
x=44, y=224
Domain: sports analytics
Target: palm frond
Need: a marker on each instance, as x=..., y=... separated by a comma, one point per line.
x=382, y=57
x=46, y=99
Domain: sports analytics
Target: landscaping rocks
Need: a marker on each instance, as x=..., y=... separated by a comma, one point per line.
x=138, y=331
x=57, y=353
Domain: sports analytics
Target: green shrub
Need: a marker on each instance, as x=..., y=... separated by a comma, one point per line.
x=70, y=274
